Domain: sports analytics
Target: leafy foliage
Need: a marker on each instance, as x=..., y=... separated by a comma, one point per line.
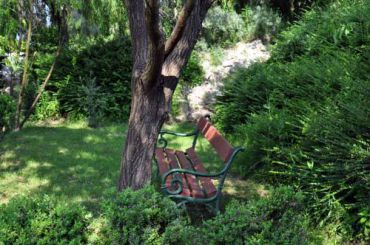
x=109, y=63
x=137, y=217
x=47, y=107
x=279, y=218
x=27, y=220
x=304, y=115
x=222, y=27
x=94, y=102
x=7, y=110
x=261, y=22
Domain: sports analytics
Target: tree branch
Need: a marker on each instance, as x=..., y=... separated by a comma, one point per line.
x=155, y=45
x=42, y=88
x=177, y=58
x=139, y=36
x=179, y=26
x=179, y=55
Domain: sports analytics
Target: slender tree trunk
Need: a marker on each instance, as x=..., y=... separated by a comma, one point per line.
x=41, y=90
x=11, y=84
x=25, y=75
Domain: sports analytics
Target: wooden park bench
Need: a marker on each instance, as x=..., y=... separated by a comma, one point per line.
x=183, y=175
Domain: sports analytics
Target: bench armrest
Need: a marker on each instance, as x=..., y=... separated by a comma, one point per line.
x=163, y=132
x=176, y=183
x=163, y=142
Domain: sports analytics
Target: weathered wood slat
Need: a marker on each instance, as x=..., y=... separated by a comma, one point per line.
x=219, y=143
x=171, y=157
x=161, y=160
x=207, y=183
x=196, y=190
x=163, y=164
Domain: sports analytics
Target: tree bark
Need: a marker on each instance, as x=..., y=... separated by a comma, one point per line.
x=156, y=71
x=146, y=119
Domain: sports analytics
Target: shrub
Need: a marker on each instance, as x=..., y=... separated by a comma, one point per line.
x=137, y=217
x=222, y=27
x=261, y=22
x=94, y=102
x=7, y=110
x=109, y=62
x=303, y=116
x=27, y=220
x=343, y=26
x=279, y=218
x=291, y=9
x=47, y=107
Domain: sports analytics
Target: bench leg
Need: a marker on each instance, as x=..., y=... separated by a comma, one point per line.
x=156, y=178
x=217, y=204
x=156, y=165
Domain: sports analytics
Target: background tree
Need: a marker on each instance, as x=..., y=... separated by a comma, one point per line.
x=155, y=75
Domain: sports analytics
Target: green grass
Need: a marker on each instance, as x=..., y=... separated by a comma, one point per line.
x=80, y=165
x=71, y=161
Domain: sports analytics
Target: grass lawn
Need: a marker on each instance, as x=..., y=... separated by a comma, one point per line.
x=79, y=164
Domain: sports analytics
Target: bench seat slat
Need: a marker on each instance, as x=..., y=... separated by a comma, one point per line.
x=196, y=190
x=207, y=183
x=174, y=164
x=163, y=164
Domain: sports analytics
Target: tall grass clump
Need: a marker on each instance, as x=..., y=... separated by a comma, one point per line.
x=304, y=115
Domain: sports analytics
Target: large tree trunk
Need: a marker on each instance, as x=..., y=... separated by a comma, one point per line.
x=156, y=71
x=148, y=113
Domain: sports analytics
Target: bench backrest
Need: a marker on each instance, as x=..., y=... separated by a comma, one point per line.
x=219, y=143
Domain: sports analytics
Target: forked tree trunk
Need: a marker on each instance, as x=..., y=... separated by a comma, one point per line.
x=157, y=67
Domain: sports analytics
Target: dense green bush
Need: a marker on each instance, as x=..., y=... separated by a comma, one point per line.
x=7, y=110
x=261, y=22
x=109, y=63
x=94, y=102
x=47, y=107
x=147, y=217
x=137, y=217
x=222, y=27
x=27, y=220
x=304, y=116
x=342, y=26
x=279, y=218
x=292, y=8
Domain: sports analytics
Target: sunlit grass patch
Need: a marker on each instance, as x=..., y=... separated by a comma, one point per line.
x=67, y=160
x=78, y=164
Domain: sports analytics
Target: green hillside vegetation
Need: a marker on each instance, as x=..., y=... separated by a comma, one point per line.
x=304, y=115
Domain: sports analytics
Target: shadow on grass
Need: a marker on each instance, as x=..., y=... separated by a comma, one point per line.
x=78, y=164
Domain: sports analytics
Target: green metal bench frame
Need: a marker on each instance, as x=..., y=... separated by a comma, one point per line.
x=176, y=182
